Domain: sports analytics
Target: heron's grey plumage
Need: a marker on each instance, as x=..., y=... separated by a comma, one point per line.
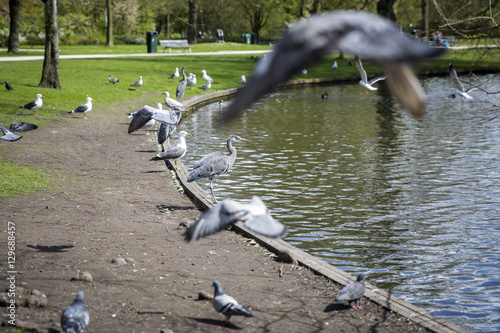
x=141, y=117
x=353, y=292
x=364, y=78
x=8, y=135
x=75, y=317
x=215, y=164
x=181, y=87
x=361, y=33
x=175, y=152
x=226, y=304
x=254, y=214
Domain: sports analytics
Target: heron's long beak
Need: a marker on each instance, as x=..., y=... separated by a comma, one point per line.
x=245, y=140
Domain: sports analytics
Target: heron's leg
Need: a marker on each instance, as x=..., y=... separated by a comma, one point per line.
x=212, y=190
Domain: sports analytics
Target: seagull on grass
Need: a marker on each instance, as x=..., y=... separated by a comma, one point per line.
x=206, y=77
x=34, y=105
x=170, y=102
x=364, y=78
x=176, y=74
x=312, y=39
x=206, y=86
x=176, y=152
x=226, y=304
x=353, y=292
x=191, y=80
x=137, y=84
x=254, y=214
x=84, y=108
x=75, y=317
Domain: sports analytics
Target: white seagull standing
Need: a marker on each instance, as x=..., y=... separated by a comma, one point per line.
x=334, y=66
x=170, y=102
x=366, y=34
x=243, y=80
x=176, y=74
x=176, y=151
x=206, y=77
x=84, y=108
x=137, y=84
x=34, y=105
x=206, y=86
x=364, y=78
x=191, y=80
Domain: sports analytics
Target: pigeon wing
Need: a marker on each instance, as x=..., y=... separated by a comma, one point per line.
x=353, y=291
x=228, y=306
x=261, y=222
x=19, y=127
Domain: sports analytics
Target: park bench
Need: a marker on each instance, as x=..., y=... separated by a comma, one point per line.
x=175, y=44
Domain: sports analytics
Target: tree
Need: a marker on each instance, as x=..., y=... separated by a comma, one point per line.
x=50, y=71
x=109, y=23
x=385, y=8
x=13, y=41
x=257, y=14
x=192, y=17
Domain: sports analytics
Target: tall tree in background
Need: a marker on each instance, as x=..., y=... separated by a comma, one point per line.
x=109, y=23
x=192, y=18
x=13, y=41
x=257, y=14
x=425, y=17
x=385, y=8
x=50, y=71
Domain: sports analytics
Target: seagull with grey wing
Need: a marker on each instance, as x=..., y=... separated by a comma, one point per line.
x=176, y=74
x=138, y=83
x=112, y=79
x=141, y=117
x=364, y=78
x=461, y=90
x=254, y=214
x=75, y=317
x=170, y=102
x=353, y=292
x=226, y=304
x=176, y=151
x=34, y=105
x=84, y=108
x=309, y=40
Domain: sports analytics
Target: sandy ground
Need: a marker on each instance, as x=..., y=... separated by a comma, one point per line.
x=109, y=201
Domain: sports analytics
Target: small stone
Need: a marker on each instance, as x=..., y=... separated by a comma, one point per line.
x=166, y=330
x=33, y=301
x=85, y=276
x=118, y=261
x=37, y=292
x=130, y=260
x=204, y=296
x=288, y=257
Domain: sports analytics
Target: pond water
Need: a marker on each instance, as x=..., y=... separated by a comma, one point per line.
x=365, y=187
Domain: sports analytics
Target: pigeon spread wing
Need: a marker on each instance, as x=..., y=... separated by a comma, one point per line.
x=260, y=221
x=19, y=127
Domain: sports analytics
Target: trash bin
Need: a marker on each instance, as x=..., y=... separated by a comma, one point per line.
x=152, y=41
x=247, y=38
x=253, y=39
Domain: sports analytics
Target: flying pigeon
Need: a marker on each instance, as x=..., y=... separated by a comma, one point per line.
x=137, y=84
x=8, y=86
x=254, y=214
x=176, y=151
x=113, y=79
x=353, y=292
x=34, y=105
x=8, y=135
x=226, y=304
x=364, y=78
x=84, y=108
x=75, y=317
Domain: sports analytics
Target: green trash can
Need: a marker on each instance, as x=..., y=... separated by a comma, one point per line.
x=152, y=41
x=253, y=38
x=247, y=38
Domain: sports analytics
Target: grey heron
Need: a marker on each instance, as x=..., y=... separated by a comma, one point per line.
x=113, y=79
x=310, y=40
x=84, y=108
x=226, y=304
x=75, y=317
x=353, y=292
x=138, y=83
x=215, y=164
x=364, y=78
x=254, y=214
x=176, y=151
x=181, y=87
x=8, y=86
x=34, y=105
x=170, y=102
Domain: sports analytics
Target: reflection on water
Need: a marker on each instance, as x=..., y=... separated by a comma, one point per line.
x=416, y=204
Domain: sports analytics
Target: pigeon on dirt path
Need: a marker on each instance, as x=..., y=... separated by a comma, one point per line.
x=353, y=292
x=227, y=305
x=75, y=317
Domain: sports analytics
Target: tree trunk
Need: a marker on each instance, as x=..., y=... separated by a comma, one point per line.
x=109, y=25
x=385, y=8
x=425, y=17
x=13, y=41
x=316, y=7
x=50, y=71
x=192, y=18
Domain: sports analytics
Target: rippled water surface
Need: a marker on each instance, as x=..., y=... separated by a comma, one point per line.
x=365, y=187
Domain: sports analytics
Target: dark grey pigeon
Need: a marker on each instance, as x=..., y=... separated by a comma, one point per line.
x=20, y=126
x=353, y=292
x=8, y=86
x=76, y=316
x=8, y=135
x=227, y=305
x=254, y=214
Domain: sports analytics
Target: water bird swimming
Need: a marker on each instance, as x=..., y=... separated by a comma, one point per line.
x=176, y=151
x=310, y=40
x=215, y=164
x=34, y=105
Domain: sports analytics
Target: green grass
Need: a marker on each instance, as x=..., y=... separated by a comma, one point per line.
x=82, y=78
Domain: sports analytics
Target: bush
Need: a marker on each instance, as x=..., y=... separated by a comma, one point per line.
x=131, y=40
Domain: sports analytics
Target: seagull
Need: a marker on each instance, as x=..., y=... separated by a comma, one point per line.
x=364, y=79
x=206, y=77
x=176, y=151
x=137, y=84
x=34, y=105
x=170, y=102
x=8, y=86
x=8, y=135
x=226, y=304
x=334, y=66
x=150, y=123
x=113, y=79
x=176, y=74
x=304, y=72
x=215, y=164
x=353, y=292
x=84, y=108
x=165, y=131
x=461, y=90
x=181, y=87
x=366, y=34
x=254, y=214
x=325, y=95
x=75, y=317
x=191, y=80
x=141, y=117
x=243, y=80
x=206, y=86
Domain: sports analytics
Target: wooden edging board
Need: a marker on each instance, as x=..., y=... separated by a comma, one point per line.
x=381, y=297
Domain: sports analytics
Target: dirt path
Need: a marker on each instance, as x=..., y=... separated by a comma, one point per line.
x=105, y=206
